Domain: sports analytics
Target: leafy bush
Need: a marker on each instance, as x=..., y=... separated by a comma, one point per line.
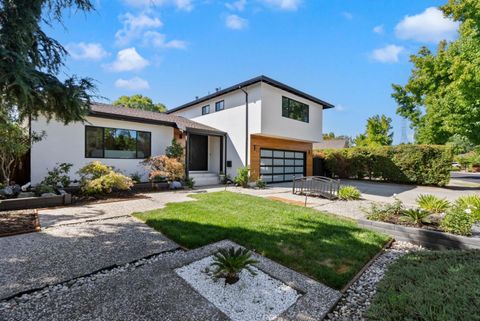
x=385, y=212
x=230, y=262
x=416, y=216
x=472, y=202
x=429, y=286
x=98, y=178
x=163, y=166
x=458, y=220
x=58, y=176
x=43, y=188
x=348, y=193
x=242, y=177
x=136, y=177
x=432, y=204
x=260, y=184
x=189, y=182
x=411, y=164
x=175, y=150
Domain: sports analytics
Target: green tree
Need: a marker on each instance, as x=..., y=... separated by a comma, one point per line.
x=378, y=132
x=31, y=60
x=140, y=102
x=441, y=98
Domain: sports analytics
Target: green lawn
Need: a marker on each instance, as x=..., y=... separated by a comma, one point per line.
x=327, y=248
x=430, y=286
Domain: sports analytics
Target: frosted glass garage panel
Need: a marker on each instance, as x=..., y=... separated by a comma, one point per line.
x=289, y=162
x=289, y=155
x=278, y=178
x=266, y=153
x=299, y=155
x=290, y=170
x=266, y=162
x=267, y=178
x=266, y=170
x=277, y=153
x=278, y=162
x=289, y=177
x=278, y=170
x=298, y=162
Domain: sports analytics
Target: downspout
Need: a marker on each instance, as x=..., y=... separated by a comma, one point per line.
x=246, y=125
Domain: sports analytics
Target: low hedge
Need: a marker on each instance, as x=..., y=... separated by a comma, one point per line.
x=407, y=164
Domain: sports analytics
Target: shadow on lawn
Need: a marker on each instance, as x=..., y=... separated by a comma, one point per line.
x=329, y=253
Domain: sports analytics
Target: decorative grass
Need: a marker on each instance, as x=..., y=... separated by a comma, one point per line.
x=327, y=248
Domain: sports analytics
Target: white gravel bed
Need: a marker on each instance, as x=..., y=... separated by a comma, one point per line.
x=252, y=298
x=358, y=297
x=82, y=281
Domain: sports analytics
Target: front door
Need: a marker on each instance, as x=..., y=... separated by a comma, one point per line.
x=197, y=152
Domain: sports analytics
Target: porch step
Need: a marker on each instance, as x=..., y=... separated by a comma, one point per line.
x=204, y=178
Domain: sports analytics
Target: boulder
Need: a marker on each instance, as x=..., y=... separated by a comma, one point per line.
x=175, y=185
x=7, y=191
x=17, y=189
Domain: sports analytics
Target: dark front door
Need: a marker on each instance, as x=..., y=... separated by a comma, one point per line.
x=198, y=152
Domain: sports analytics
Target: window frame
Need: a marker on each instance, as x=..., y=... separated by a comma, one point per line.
x=218, y=103
x=103, y=142
x=206, y=109
x=306, y=111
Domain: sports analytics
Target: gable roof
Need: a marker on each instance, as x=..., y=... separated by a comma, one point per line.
x=249, y=82
x=149, y=117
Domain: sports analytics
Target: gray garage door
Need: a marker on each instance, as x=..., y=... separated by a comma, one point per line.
x=281, y=165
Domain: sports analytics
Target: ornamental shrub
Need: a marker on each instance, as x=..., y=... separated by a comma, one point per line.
x=349, y=193
x=432, y=203
x=58, y=176
x=163, y=166
x=407, y=164
x=242, y=177
x=458, y=220
x=98, y=178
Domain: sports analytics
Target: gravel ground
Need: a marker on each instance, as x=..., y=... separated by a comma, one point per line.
x=252, y=298
x=350, y=209
x=54, y=255
x=142, y=290
x=358, y=297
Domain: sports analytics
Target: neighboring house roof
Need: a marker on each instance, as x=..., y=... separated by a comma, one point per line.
x=331, y=144
x=149, y=117
x=252, y=81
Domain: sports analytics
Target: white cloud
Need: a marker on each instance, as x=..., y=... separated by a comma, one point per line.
x=387, y=54
x=135, y=83
x=238, y=5
x=158, y=40
x=134, y=25
x=339, y=108
x=284, y=4
x=347, y=15
x=86, y=51
x=428, y=26
x=186, y=5
x=128, y=60
x=235, y=22
x=379, y=29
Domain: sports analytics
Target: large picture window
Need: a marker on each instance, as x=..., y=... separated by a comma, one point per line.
x=103, y=142
x=295, y=110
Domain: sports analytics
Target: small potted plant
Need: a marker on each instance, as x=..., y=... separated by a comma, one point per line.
x=228, y=264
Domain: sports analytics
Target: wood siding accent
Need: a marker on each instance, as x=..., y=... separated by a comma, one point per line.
x=257, y=142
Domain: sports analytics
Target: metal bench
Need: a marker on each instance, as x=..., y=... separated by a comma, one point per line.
x=318, y=186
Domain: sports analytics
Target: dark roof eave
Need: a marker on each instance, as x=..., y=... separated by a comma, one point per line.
x=252, y=81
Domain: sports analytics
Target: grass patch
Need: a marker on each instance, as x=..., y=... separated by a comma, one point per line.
x=430, y=286
x=327, y=248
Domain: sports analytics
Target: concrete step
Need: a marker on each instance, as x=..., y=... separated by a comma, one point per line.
x=204, y=178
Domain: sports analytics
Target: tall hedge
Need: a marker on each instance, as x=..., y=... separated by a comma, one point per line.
x=408, y=164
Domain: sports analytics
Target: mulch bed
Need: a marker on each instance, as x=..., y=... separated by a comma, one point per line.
x=397, y=221
x=286, y=200
x=18, y=222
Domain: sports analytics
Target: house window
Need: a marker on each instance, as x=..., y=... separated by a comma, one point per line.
x=103, y=142
x=295, y=110
x=205, y=110
x=220, y=105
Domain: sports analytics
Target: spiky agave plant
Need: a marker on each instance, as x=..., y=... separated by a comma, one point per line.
x=432, y=204
x=230, y=262
x=416, y=216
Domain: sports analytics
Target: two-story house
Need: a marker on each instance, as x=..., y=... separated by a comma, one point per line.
x=260, y=123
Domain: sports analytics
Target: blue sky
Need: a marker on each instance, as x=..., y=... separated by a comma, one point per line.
x=345, y=52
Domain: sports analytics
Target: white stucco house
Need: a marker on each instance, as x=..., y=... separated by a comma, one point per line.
x=260, y=123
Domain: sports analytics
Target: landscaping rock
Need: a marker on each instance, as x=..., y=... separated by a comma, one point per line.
x=25, y=194
x=175, y=185
x=17, y=189
x=7, y=191
x=26, y=187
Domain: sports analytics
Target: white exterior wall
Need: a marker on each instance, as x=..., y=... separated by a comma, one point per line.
x=231, y=120
x=274, y=124
x=66, y=144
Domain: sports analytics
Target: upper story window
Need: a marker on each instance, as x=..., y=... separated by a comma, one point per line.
x=220, y=105
x=103, y=142
x=205, y=109
x=295, y=110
